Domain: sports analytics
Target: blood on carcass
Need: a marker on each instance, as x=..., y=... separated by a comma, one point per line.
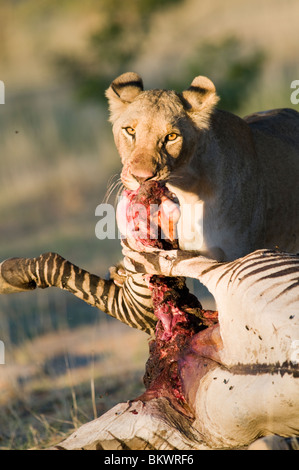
x=179, y=313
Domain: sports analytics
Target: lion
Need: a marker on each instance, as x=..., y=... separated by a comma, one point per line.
x=240, y=174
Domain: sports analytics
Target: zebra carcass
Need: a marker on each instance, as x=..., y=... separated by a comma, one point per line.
x=232, y=382
x=239, y=377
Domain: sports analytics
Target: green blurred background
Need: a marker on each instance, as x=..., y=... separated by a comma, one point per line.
x=57, y=155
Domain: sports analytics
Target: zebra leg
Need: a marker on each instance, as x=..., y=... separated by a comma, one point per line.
x=128, y=301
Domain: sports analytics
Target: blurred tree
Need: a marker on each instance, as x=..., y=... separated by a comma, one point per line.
x=117, y=43
x=233, y=70
x=114, y=46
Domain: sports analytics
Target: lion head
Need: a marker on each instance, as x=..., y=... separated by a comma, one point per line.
x=157, y=131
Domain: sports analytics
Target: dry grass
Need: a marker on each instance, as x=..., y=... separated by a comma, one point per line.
x=51, y=385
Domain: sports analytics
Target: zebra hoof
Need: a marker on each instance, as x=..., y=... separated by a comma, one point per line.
x=11, y=277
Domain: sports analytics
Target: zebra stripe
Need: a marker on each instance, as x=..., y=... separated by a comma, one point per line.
x=130, y=302
x=257, y=299
x=264, y=267
x=140, y=313
x=271, y=277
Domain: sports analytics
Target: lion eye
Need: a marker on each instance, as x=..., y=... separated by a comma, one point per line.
x=130, y=130
x=171, y=137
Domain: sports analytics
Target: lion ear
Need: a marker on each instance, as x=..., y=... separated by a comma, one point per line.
x=201, y=96
x=122, y=91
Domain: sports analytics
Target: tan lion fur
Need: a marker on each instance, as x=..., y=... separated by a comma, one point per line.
x=243, y=172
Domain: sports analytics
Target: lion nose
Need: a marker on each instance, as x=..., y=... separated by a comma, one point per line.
x=142, y=175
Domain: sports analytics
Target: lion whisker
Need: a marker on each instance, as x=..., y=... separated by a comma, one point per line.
x=112, y=186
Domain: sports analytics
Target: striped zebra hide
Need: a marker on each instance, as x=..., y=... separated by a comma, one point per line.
x=241, y=376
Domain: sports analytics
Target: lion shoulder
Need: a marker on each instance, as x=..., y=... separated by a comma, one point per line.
x=283, y=122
